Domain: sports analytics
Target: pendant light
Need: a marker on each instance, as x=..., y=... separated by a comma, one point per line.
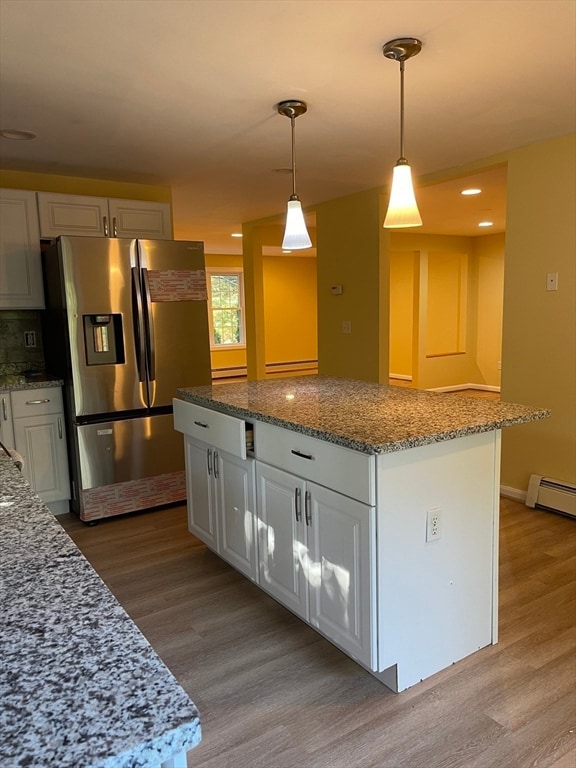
x=295, y=235
x=402, y=208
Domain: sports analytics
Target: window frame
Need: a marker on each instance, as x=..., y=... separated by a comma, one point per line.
x=211, y=271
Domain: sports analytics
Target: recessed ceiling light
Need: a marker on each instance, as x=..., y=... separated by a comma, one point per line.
x=15, y=135
x=471, y=191
x=284, y=250
x=236, y=234
x=485, y=223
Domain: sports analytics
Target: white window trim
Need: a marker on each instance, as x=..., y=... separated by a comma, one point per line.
x=226, y=271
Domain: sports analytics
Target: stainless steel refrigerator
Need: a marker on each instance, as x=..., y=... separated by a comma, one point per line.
x=125, y=325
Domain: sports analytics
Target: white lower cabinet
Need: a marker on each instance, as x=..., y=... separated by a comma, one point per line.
x=221, y=503
x=316, y=556
x=39, y=437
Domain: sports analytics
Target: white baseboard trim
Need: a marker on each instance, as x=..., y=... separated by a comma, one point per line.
x=460, y=387
x=513, y=493
x=399, y=376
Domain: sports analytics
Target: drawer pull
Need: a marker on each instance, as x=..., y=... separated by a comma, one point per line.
x=37, y=402
x=201, y=424
x=303, y=455
x=298, y=504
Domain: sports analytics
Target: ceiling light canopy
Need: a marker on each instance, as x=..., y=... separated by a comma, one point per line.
x=296, y=235
x=402, y=208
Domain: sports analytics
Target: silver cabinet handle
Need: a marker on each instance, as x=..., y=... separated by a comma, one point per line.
x=303, y=455
x=59, y=427
x=114, y=228
x=216, y=466
x=38, y=402
x=308, y=507
x=105, y=221
x=298, y=504
x=4, y=409
x=209, y=460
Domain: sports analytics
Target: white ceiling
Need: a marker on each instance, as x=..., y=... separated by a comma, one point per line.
x=182, y=92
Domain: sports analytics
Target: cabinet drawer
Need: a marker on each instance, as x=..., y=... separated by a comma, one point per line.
x=225, y=432
x=348, y=472
x=36, y=402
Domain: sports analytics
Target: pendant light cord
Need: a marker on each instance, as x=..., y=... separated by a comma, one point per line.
x=402, y=110
x=294, y=196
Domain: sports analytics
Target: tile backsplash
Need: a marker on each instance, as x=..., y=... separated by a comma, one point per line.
x=19, y=331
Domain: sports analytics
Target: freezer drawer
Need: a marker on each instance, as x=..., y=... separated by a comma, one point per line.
x=129, y=449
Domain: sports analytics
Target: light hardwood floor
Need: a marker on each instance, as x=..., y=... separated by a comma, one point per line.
x=274, y=694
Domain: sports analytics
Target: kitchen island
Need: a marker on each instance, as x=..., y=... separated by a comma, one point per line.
x=369, y=511
x=80, y=686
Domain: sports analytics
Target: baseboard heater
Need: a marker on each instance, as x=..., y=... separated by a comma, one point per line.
x=554, y=495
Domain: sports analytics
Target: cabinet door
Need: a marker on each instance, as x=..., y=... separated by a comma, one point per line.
x=41, y=442
x=201, y=491
x=6, y=423
x=236, y=512
x=20, y=266
x=82, y=215
x=135, y=218
x=341, y=570
x=282, y=551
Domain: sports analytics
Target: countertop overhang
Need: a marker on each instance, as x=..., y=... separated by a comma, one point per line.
x=363, y=416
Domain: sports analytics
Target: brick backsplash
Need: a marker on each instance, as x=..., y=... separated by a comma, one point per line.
x=15, y=356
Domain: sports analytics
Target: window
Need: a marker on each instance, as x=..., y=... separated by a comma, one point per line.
x=226, y=308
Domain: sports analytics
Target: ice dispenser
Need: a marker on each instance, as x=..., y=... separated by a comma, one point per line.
x=103, y=339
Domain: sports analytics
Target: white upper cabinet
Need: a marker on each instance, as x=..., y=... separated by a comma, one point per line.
x=20, y=265
x=89, y=216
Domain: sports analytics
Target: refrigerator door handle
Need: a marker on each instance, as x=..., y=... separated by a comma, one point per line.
x=151, y=344
x=139, y=331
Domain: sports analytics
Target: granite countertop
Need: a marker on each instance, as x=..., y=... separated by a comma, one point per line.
x=80, y=686
x=13, y=382
x=364, y=416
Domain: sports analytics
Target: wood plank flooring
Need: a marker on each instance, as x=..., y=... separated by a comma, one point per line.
x=274, y=694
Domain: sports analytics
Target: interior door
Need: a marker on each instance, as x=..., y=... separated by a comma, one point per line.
x=174, y=279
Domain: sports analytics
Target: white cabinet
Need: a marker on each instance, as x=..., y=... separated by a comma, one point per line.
x=20, y=264
x=316, y=556
x=221, y=506
x=39, y=437
x=86, y=215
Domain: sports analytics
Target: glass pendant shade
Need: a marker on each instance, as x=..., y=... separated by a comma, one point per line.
x=295, y=235
x=402, y=208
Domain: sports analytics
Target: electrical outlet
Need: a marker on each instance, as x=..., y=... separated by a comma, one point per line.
x=346, y=326
x=433, y=524
x=29, y=339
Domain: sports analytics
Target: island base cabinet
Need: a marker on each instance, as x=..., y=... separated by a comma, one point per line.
x=316, y=557
x=221, y=504
x=438, y=596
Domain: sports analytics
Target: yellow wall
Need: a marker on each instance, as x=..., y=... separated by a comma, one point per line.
x=353, y=252
x=489, y=256
x=539, y=329
x=290, y=308
x=401, y=312
x=72, y=185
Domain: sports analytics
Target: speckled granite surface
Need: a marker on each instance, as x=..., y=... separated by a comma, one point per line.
x=14, y=382
x=366, y=417
x=80, y=686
